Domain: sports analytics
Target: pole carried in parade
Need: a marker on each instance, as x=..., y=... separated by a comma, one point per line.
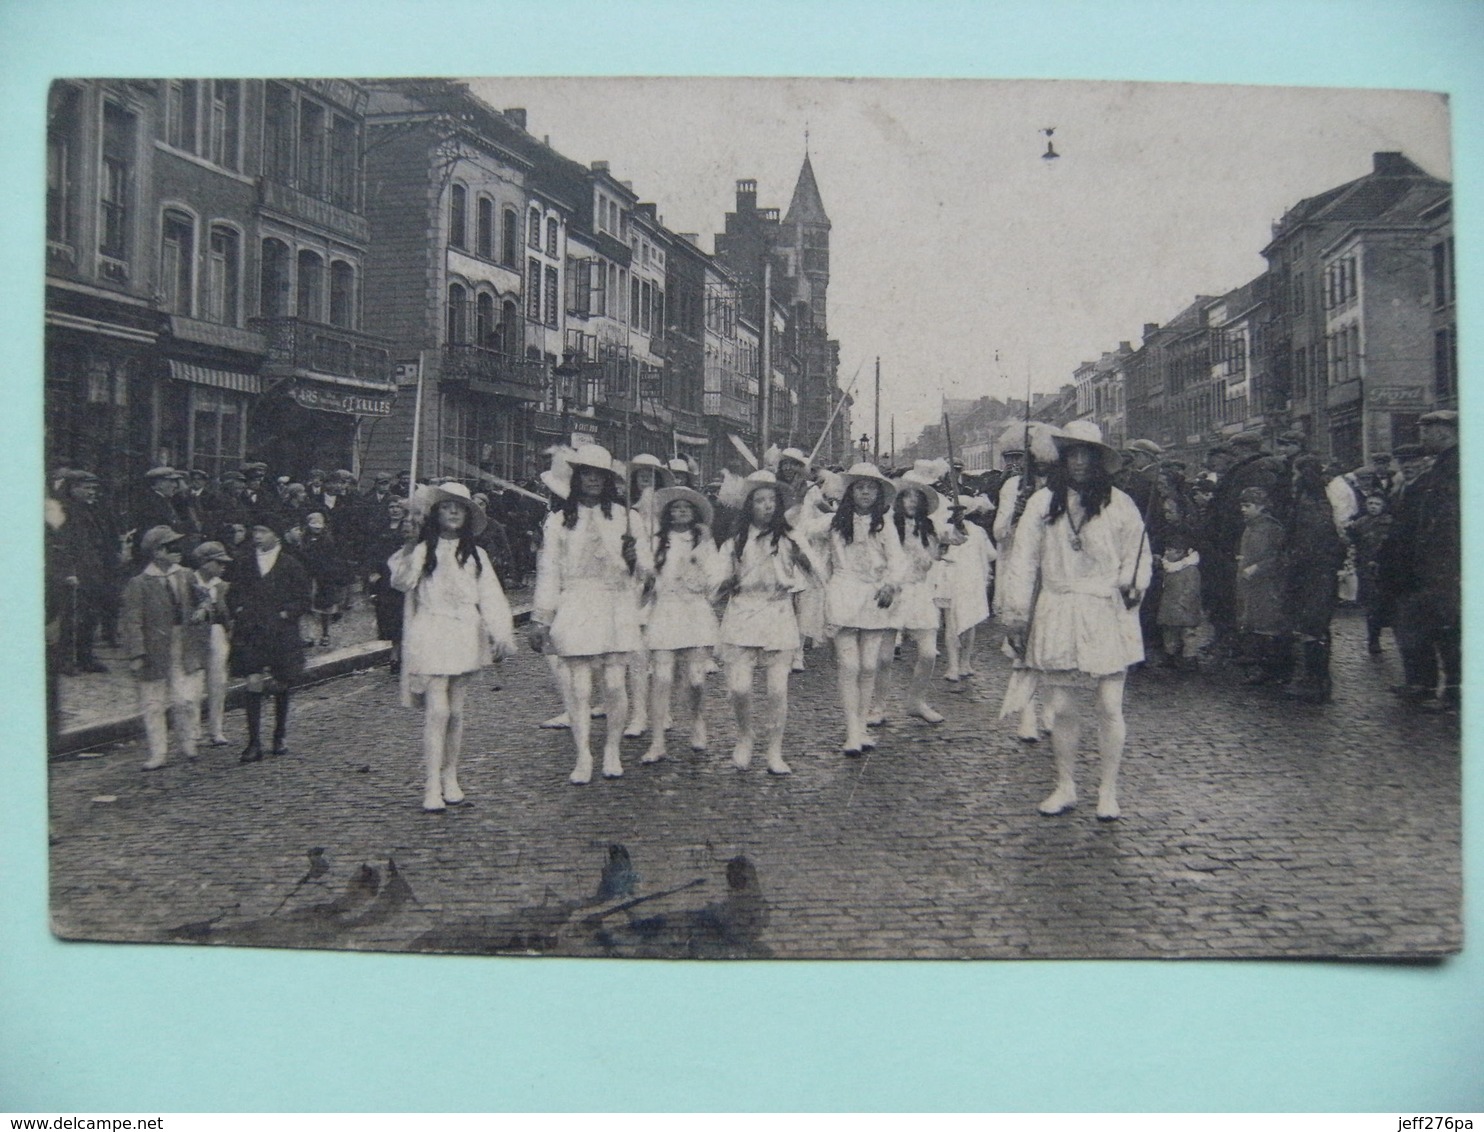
x=840, y=404
x=417, y=420
x=953, y=484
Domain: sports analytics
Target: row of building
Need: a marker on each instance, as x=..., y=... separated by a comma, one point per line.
x=1349, y=334
x=261, y=269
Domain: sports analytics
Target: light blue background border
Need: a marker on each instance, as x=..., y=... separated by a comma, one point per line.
x=120, y=1028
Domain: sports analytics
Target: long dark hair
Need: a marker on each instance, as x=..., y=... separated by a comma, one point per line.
x=777, y=526
x=843, y=523
x=662, y=552
x=1308, y=477
x=922, y=525
x=466, y=549
x=1095, y=494
x=606, y=501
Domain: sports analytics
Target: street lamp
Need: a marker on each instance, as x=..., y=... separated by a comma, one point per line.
x=865, y=443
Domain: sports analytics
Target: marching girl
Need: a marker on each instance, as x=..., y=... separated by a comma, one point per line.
x=968, y=565
x=585, y=605
x=681, y=625
x=866, y=572
x=1015, y=494
x=765, y=566
x=1078, y=569
x=916, y=611
x=646, y=475
x=454, y=612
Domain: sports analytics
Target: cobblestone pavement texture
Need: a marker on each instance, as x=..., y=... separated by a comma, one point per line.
x=1253, y=826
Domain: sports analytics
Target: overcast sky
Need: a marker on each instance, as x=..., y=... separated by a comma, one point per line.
x=952, y=237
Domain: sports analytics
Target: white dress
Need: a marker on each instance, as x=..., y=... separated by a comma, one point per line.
x=450, y=616
x=1079, y=624
x=858, y=570
x=584, y=590
x=760, y=615
x=915, y=608
x=681, y=616
x=968, y=577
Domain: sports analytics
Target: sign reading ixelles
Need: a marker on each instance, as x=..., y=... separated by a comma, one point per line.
x=342, y=401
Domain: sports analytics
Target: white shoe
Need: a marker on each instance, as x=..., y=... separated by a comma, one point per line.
x=925, y=713
x=1062, y=799
x=556, y=723
x=698, y=737
x=637, y=727
x=742, y=754
x=433, y=800
x=154, y=763
x=653, y=755
x=876, y=719
x=453, y=794
x=612, y=765
x=1108, y=805
x=797, y=666
x=776, y=765
x=582, y=773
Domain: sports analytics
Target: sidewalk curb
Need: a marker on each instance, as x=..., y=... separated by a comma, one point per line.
x=317, y=670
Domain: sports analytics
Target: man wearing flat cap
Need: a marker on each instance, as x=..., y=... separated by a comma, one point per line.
x=1424, y=554
x=88, y=547
x=156, y=508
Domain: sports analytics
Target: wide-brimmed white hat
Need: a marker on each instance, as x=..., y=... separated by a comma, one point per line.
x=920, y=477
x=428, y=496
x=662, y=476
x=668, y=495
x=596, y=456
x=868, y=471
x=1088, y=433
x=794, y=454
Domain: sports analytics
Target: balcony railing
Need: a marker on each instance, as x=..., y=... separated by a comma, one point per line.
x=315, y=348
x=467, y=362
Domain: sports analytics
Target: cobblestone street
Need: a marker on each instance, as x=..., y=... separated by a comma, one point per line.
x=1252, y=827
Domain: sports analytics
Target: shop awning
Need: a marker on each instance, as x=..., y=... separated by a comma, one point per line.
x=693, y=441
x=216, y=378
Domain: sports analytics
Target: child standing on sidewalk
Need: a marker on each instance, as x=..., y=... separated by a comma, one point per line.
x=1180, y=598
x=162, y=632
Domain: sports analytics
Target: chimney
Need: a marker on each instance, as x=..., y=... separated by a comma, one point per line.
x=1150, y=328
x=1392, y=164
x=746, y=196
x=1125, y=347
x=517, y=114
x=600, y=166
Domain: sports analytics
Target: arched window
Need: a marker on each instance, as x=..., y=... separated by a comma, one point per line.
x=311, y=287
x=177, y=260
x=458, y=314
x=485, y=332
x=553, y=230
x=484, y=228
x=342, y=294
x=223, y=262
x=273, y=290
x=509, y=237
x=457, y=216
x=533, y=228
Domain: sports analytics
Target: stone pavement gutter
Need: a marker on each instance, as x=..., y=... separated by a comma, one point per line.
x=317, y=669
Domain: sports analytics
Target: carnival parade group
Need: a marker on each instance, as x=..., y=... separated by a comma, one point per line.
x=1090, y=560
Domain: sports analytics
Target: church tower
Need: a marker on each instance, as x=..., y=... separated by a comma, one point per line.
x=806, y=236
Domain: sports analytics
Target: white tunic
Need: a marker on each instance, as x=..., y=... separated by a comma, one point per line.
x=451, y=616
x=681, y=616
x=760, y=615
x=916, y=608
x=858, y=570
x=968, y=577
x=1080, y=622
x=584, y=590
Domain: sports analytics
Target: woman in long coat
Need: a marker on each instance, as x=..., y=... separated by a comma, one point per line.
x=268, y=593
x=1078, y=568
x=455, y=623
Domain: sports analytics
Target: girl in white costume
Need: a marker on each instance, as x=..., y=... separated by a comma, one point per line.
x=586, y=605
x=1079, y=566
x=866, y=572
x=968, y=592
x=925, y=529
x=453, y=614
x=681, y=625
x=765, y=566
x=646, y=475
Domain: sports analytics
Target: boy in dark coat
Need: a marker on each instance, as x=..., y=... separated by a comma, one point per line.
x=269, y=593
x=1260, y=585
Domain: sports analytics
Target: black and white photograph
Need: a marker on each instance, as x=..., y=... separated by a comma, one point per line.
x=752, y=518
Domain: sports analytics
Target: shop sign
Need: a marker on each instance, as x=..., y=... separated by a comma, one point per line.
x=342, y=401
x=1397, y=396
